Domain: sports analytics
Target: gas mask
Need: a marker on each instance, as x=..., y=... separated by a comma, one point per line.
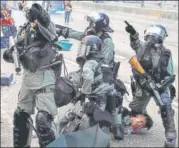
x=152, y=41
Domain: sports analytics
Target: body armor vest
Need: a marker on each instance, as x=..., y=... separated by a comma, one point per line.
x=155, y=62
x=35, y=52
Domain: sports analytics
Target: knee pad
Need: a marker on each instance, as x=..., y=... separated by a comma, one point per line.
x=44, y=128
x=22, y=130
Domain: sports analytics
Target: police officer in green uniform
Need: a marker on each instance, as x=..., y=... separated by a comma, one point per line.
x=96, y=78
x=157, y=62
x=34, y=44
x=98, y=25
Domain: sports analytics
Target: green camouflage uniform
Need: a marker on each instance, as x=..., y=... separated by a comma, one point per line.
x=31, y=82
x=142, y=97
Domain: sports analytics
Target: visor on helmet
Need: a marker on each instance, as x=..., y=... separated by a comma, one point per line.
x=155, y=31
x=93, y=17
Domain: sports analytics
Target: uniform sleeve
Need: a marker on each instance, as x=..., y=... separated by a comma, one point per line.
x=136, y=44
x=170, y=68
x=74, y=34
x=48, y=32
x=166, y=66
x=108, y=51
x=88, y=76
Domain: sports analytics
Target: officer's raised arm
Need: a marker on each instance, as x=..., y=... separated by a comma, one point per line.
x=135, y=42
x=38, y=16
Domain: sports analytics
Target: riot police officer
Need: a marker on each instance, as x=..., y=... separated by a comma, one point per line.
x=157, y=62
x=96, y=78
x=34, y=45
x=98, y=24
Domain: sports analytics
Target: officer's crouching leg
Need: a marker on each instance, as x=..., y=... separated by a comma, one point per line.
x=167, y=115
x=44, y=128
x=139, y=104
x=118, y=129
x=22, y=130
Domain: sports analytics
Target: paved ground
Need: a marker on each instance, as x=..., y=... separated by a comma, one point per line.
x=152, y=138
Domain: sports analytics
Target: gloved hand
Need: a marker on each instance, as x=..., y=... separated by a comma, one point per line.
x=79, y=97
x=33, y=14
x=130, y=29
x=36, y=12
x=144, y=84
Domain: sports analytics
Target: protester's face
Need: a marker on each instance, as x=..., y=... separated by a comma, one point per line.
x=138, y=122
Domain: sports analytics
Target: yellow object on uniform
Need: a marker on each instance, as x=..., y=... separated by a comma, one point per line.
x=135, y=64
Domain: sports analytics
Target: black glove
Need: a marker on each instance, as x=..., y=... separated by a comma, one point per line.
x=144, y=84
x=130, y=29
x=32, y=14
x=36, y=12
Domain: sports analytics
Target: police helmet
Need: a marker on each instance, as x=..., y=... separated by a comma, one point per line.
x=157, y=31
x=99, y=21
x=89, y=46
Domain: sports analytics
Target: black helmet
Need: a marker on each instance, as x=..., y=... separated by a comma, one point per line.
x=90, y=45
x=99, y=21
x=157, y=31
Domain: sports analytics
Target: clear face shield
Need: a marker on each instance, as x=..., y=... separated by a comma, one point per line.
x=155, y=35
x=91, y=19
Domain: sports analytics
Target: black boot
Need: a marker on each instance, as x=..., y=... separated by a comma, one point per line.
x=44, y=128
x=118, y=132
x=22, y=130
x=167, y=115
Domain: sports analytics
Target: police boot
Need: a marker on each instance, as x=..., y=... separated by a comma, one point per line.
x=22, y=130
x=167, y=115
x=44, y=128
x=118, y=129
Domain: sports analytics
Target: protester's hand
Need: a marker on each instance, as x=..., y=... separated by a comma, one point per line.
x=130, y=29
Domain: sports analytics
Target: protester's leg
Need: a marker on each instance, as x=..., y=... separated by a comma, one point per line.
x=65, y=17
x=68, y=17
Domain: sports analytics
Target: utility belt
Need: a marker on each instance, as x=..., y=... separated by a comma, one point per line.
x=46, y=89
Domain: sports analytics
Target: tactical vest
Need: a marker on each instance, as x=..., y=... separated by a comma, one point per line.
x=35, y=52
x=102, y=74
x=156, y=63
